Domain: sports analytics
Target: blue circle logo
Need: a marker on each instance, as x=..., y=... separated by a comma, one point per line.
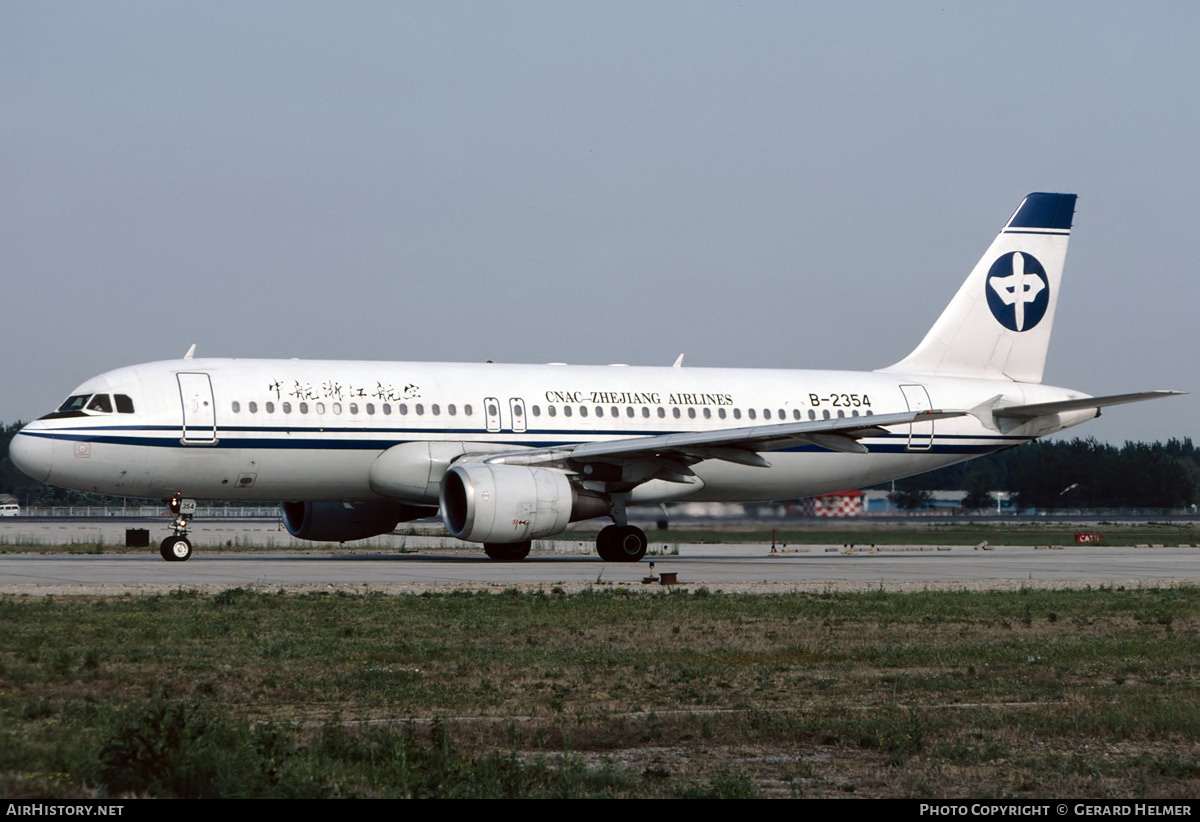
x=1018, y=292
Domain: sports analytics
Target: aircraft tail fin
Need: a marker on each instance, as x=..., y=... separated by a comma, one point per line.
x=998, y=324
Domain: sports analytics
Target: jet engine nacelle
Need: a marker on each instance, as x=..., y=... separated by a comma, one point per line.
x=412, y=471
x=346, y=521
x=513, y=503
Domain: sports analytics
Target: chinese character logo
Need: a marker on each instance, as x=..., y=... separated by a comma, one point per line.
x=1018, y=291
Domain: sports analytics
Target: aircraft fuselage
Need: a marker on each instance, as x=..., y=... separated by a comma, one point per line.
x=310, y=430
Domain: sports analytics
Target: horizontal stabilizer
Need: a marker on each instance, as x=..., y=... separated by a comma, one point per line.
x=1040, y=409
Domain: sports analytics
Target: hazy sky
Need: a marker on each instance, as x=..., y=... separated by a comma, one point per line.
x=755, y=184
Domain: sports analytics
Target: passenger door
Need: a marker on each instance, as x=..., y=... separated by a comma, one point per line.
x=199, y=411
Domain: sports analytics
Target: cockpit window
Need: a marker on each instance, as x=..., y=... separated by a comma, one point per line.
x=124, y=403
x=101, y=403
x=75, y=403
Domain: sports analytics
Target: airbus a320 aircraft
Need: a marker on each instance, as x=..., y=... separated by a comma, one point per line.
x=510, y=453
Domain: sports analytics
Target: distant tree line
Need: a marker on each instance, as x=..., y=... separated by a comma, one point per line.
x=1078, y=473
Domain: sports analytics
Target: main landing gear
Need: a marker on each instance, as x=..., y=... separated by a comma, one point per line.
x=621, y=543
x=615, y=543
x=507, y=551
x=177, y=548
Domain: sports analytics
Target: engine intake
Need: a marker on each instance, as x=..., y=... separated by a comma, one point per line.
x=513, y=503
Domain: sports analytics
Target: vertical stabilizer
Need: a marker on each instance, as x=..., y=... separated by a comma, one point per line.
x=998, y=324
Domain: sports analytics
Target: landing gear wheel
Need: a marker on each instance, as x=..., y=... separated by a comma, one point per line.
x=175, y=549
x=507, y=551
x=621, y=543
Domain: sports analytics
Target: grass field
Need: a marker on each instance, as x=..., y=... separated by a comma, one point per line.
x=694, y=694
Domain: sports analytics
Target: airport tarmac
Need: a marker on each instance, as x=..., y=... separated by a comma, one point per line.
x=740, y=568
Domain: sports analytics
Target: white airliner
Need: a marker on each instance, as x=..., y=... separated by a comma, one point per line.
x=511, y=453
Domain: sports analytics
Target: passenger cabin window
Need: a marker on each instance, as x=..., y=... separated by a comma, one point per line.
x=235, y=406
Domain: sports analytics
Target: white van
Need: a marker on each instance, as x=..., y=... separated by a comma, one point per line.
x=10, y=509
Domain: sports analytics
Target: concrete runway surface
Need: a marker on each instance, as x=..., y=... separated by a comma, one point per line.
x=413, y=563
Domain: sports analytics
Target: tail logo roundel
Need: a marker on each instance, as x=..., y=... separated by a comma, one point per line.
x=1017, y=291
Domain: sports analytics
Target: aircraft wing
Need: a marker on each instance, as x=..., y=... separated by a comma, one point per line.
x=674, y=452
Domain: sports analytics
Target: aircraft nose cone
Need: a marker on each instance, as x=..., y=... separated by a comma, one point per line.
x=32, y=454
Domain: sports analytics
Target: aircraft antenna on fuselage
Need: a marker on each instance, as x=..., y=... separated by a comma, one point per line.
x=190, y=352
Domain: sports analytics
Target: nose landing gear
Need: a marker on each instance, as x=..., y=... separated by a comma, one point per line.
x=177, y=548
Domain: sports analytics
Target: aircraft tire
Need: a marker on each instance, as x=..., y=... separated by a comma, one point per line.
x=507, y=551
x=605, y=543
x=621, y=543
x=175, y=549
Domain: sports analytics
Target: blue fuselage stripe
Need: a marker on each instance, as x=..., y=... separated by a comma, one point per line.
x=304, y=439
